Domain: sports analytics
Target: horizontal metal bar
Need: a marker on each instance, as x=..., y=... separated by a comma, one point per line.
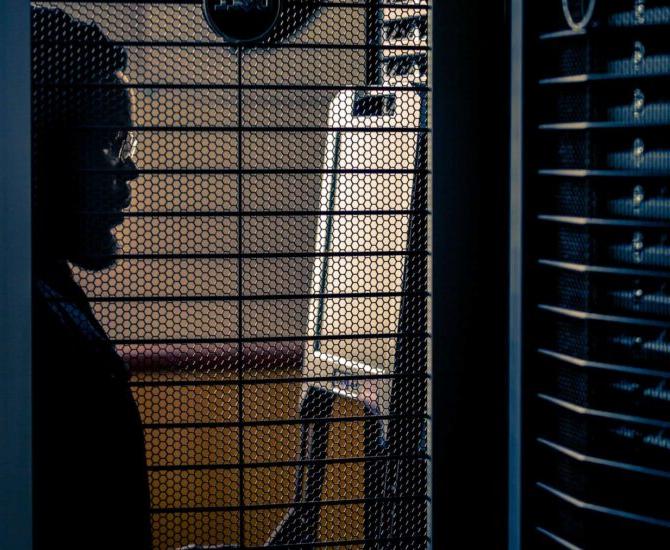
x=606, y=31
x=598, y=461
x=253, y=171
x=282, y=505
x=321, y=4
x=602, y=77
x=601, y=125
x=599, y=317
x=562, y=34
x=264, y=46
x=607, y=415
x=588, y=364
x=582, y=505
x=244, y=298
x=266, y=129
x=348, y=542
x=605, y=270
x=603, y=173
x=558, y=540
x=290, y=463
x=260, y=213
x=262, y=381
x=607, y=222
x=280, y=422
x=266, y=255
x=250, y=340
x=241, y=86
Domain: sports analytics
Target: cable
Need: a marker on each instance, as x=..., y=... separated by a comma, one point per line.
x=586, y=19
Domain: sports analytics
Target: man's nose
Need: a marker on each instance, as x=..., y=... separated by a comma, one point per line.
x=121, y=194
x=129, y=170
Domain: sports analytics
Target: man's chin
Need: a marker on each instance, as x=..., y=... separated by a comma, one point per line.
x=94, y=264
x=98, y=257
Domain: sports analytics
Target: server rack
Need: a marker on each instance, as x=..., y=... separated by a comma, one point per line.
x=473, y=287
x=595, y=462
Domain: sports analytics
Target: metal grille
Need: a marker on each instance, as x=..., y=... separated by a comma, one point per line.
x=270, y=287
x=597, y=463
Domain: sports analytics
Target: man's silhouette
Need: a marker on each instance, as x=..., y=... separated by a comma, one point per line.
x=90, y=485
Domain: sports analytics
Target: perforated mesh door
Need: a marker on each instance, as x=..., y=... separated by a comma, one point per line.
x=269, y=292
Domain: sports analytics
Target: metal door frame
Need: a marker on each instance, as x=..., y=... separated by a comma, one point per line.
x=15, y=278
x=15, y=343
x=516, y=277
x=471, y=272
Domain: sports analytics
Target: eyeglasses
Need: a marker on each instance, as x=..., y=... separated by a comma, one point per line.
x=123, y=147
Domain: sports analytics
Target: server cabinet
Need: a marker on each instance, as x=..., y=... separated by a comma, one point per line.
x=595, y=463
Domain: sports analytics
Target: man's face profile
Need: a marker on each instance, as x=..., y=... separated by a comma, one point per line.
x=84, y=175
x=103, y=193
x=83, y=148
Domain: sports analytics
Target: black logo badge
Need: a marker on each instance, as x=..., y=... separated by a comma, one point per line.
x=241, y=21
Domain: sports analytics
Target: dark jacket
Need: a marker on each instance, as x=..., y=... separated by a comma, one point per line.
x=90, y=485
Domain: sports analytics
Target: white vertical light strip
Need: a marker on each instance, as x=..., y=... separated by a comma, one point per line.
x=516, y=277
x=15, y=278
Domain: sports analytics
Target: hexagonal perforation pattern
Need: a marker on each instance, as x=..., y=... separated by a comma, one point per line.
x=270, y=287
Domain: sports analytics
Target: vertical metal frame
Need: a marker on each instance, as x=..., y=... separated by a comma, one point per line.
x=15, y=278
x=471, y=83
x=516, y=276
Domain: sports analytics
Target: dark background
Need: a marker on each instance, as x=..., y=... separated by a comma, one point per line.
x=470, y=278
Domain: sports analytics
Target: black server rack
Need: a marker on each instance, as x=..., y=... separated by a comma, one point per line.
x=595, y=396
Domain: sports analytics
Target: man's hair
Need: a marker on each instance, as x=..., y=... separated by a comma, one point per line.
x=68, y=56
